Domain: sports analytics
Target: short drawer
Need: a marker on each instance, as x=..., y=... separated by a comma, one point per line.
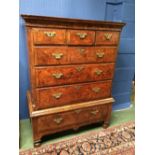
x=80, y=37
x=90, y=114
x=56, y=121
x=59, y=75
x=49, y=36
x=74, y=55
x=71, y=94
x=70, y=119
x=107, y=38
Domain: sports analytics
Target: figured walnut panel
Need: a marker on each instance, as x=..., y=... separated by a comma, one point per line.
x=80, y=37
x=58, y=75
x=49, y=36
x=73, y=55
x=60, y=121
x=71, y=94
x=107, y=38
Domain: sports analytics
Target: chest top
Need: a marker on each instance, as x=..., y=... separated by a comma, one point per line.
x=43, y=21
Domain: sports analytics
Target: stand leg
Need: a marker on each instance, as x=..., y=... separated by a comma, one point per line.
x=107, y=117
x=106, y=124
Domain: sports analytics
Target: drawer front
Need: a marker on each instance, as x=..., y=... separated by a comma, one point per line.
x=90, y=114
x=107, y=38
x=56, y=121
x=49, y=36
x=54, y=55
x=71, y=94
x=74, y=55
x=52, y=76
x=80, y=37
x=61, y=121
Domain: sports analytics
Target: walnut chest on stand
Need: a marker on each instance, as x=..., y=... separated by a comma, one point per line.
x=71, y=67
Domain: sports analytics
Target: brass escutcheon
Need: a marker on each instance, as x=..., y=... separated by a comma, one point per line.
x=58, y=120
x=57, y=95
x=50, y=34
x=94, y=112
x=96, y=89
x=82, y=35
x=98, y=72
x=57, y=75
x=57, y=55
x=79, y=68
x=78, y=111
x=107, y=36
x=77, y=87
x=81, y=50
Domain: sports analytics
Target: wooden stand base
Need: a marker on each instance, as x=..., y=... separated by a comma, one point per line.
x=54, y=120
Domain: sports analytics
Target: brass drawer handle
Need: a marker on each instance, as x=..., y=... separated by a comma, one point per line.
x=82, y=35
x=58, y=120
x=78, y=111
x=99, y=54
x=96, y=89
x=94, y=112
x=79, y=68
x=107, y=36
x=98, y=72
x=57, y=55
x=57, y=95
x=50, y=34
x=57, y=75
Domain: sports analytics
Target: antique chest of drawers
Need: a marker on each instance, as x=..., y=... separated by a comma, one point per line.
x=71, y=65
